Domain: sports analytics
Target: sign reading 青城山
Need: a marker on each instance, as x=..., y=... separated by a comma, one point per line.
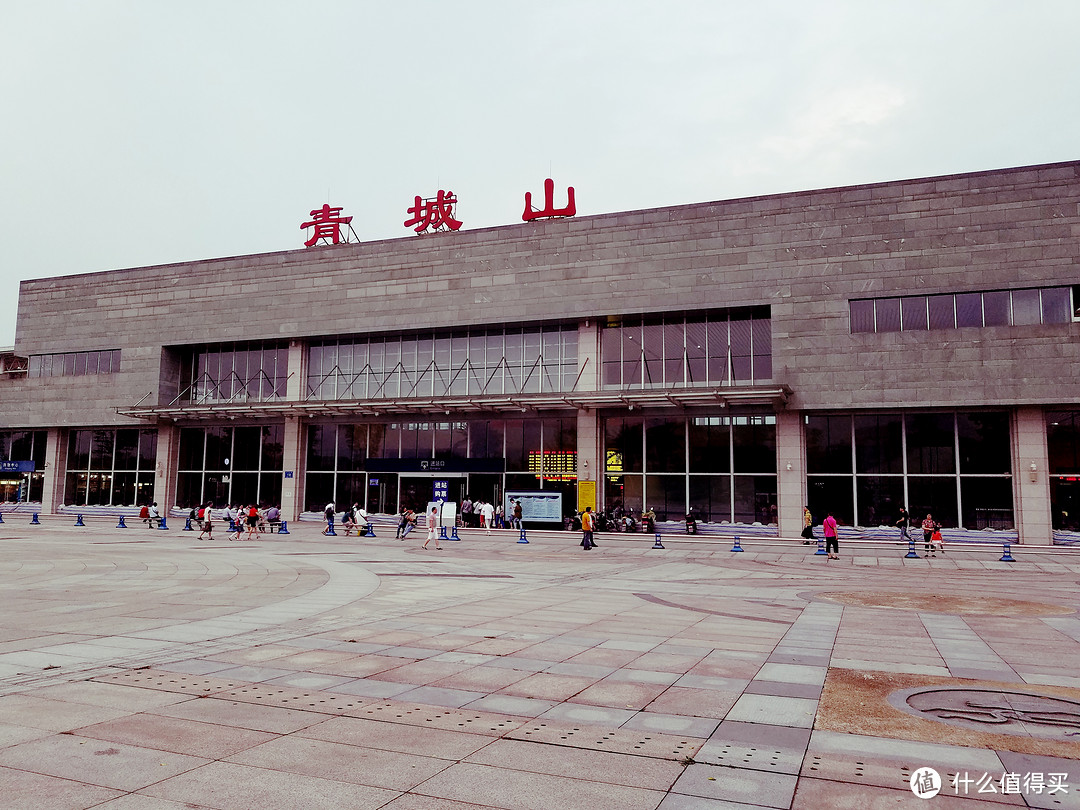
x=327, y=225
x=438, y=213
x=549, y=209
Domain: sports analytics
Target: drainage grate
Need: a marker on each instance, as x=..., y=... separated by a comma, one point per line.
x=169, y=681
x=599, y=738
x=412, y=714
x=285, y=697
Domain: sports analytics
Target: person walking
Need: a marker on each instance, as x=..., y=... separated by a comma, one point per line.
x=902, y=524
x=928, y=527
x=587, y=529
x=431, y=535
x=328, y=512
x=807, y=526
x=832, y=542
x=206, y=523
x=252, y=523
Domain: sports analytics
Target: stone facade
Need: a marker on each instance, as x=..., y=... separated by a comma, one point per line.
x=805, y=255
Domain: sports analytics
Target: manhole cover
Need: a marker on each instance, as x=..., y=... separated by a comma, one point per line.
x=994, y=710
x=943, y=603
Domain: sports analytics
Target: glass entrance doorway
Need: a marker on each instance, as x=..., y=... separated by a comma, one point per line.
x=415, y=491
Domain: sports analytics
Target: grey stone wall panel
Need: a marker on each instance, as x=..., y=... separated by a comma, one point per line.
x=988, y=230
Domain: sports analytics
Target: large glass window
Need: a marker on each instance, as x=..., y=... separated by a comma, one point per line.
x=235, y=372
x=240, y=466
x=110, y=467
x=23, y=445
x=503, y=361
x=731, y=474
x=722, y=347
x=924, y=461
x=74, y=364
x=536, y=454
x=917, y=313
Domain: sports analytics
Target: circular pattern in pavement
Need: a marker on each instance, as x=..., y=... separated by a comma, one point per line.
x=996, y=710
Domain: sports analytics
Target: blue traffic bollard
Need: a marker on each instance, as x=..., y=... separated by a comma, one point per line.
x=1, y=517
x=371, y=530
x=911, y=555
x=454, y=534
x=1006, y=555
x=34, y=520
x=523, y=538
x=821, y=547
x=161, y=524
x=79, y=521
x=284, y=528
x=442, y=533
x=187, y=525
x=121, y=524
x=658, y=544
x=737, y=546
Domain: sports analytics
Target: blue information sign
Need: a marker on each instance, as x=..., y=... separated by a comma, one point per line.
x=17, y=466
x=441, y=491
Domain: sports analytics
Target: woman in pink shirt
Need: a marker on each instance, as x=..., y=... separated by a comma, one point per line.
x=832, y=545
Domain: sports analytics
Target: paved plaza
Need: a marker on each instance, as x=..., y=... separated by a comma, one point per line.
x=146, y=670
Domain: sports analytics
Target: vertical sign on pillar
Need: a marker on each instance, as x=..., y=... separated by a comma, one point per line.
x=440, y=492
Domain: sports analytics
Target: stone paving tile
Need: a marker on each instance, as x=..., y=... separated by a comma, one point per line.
x=240, y=715
x=774, y=710
x=756, y=746
x=410, y=801
x=105, y=764
x=389, y=736
x=394, y=770
x=688, y=726
x=607, y=766
x=33, y=791
x=506, y=704
x=755, y=788
x=365, y=687
x=520, y=790
x=546, y=686
x=53, y=715
x=180, y=736
x=228, y=786
x=814, y=794
x=696, y=702
x=619, y=695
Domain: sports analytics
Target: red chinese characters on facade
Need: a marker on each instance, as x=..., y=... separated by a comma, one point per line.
x=435, y=213
x=327, y=225
x=549, y=209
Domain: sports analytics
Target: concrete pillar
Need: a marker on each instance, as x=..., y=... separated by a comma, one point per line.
x=168, y=454
x=1031, y=482
x=589, y=444
x=589, y=472
x=292, y=486
x=790, y=472
x=52, y=493
x=296, y=384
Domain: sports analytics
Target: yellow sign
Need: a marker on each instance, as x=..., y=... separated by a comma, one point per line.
x=586, y=495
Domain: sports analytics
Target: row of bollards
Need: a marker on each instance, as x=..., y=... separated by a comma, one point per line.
x=282, y=529
x=1006, y=555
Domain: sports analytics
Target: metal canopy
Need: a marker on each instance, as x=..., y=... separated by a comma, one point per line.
x=774, y=395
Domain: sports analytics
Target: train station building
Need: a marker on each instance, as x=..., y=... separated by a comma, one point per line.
x=856, y=349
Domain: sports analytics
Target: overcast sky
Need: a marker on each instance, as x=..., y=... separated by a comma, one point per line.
x=139, y=132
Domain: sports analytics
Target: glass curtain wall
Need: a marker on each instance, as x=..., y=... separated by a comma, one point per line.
x=1063, y=444
x=234, y=372
x=955, y=466
x=23, y=445
x=538, y=454
x=492, y=361
x=722, y=467
x=723, y=347
x=240, y=466
x=110, y=467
